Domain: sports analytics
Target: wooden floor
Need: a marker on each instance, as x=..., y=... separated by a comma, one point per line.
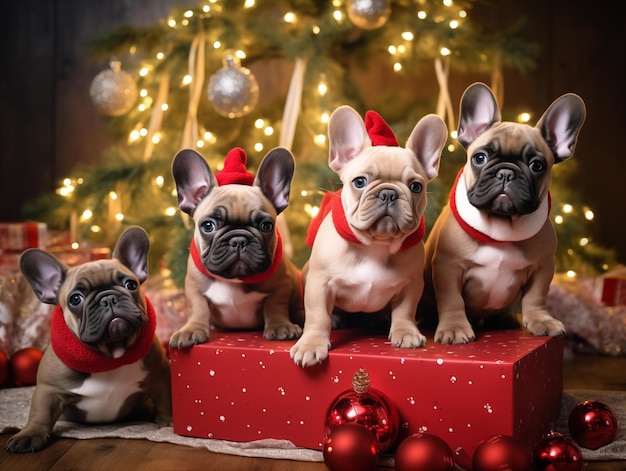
x=583, y=372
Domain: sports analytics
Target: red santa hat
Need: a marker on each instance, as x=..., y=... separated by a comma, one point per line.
x=379, y=131
x=235, y=171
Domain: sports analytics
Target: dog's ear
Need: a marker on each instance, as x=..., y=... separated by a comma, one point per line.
x=132, y=251
x=347, y=136
x=193, y=177
x=561, y=123
x=478, y=112
x=426, y=141
x=44, y=272
x=274, y=177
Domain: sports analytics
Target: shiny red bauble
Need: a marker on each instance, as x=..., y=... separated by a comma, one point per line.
x=424, y=452
x=368, y=407
x=24, y=365
x=4, y=367
x=556, y=452
x=592, y=424
x=351, y=447
x=501, y=452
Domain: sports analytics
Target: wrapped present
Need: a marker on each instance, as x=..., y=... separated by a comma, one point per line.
x=240, y=387
x=19, y=236
x=614, y=288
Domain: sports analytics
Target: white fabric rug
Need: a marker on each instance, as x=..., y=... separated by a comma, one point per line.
x=15, y=404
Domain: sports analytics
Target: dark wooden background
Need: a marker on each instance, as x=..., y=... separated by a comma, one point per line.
x=48, y=124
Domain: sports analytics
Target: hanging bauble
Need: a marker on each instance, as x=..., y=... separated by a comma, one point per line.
x=24, y=365
x=369, y=14
x=4, y=367
x=368, y=407
x=592, y=424
x=351, y=447
x=233, y=90
x=556, y=452
x=501, y=452
x=424, y=452
x=113, y=91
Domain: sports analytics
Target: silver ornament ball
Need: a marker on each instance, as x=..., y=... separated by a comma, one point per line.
x=369, y=14
x=113, y=91
x=233, y=90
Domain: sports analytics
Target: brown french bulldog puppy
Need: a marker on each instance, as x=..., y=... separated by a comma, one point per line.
x=493, y=244
x=367, y=254
x=237, y=276
x=104, y=362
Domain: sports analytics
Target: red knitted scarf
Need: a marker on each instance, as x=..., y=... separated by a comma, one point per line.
x=79, y=357
x=472, y=231
x=331, y=203
x=257, y=278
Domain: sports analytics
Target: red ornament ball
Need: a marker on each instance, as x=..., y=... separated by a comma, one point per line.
x=556, y=452
x=424, y=452
x=351, y=447
x=593, y=424
x=501, y=452
x=24, y=365
x=4, y=367
x=368, y=407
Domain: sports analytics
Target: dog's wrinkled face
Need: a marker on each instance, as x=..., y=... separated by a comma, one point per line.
x=235, y=231
x=102, y=305
x=383, y=196
x=235, y=224
x=508, y=170
x=101, y=300
x=509, y=164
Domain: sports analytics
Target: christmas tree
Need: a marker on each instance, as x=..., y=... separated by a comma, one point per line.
x=191, y=81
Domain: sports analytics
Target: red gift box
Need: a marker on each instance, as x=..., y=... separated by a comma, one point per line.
x=240, y=387
x=614, y=290
x=19, y=236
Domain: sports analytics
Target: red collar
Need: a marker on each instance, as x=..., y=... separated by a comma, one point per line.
x=258, y=278
x=79, y=357
x=472, y=231
x=331, y=202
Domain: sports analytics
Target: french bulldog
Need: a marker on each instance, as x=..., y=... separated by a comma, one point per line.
x=104, y=362
x=367, y=252
x=237, y=276
x=494, y=245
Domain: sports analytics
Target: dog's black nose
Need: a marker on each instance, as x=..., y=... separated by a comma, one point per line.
x=109, y=301
x=388, y=196
x=238, y=244
x=505, y=174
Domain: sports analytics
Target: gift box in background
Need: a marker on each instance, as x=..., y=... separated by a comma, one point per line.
x=614, y=288
x=19, y=236
x=240, y=387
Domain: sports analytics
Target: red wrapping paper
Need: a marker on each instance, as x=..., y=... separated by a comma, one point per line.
x=240, y=387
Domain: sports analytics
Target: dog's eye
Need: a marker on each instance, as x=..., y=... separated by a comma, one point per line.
x=130, y=285
x=208, y=226
x=266, y=226
x=416, y=187
x=75, y=299
x=536, y=166
x=359, y=182
x=479, y=158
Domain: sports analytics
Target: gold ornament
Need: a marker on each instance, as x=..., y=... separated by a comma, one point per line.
x=233, y=90
x=369, y=14
x=113, y=91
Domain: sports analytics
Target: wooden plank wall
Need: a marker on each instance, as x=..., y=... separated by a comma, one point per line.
x=48, y=124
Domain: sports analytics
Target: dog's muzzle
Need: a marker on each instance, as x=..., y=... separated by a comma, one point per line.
x=110, y=317
x=237, y=254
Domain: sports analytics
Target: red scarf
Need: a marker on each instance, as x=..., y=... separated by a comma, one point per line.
x=331, y=203
x=472, y=231
x=81, y=358
x=258, y=278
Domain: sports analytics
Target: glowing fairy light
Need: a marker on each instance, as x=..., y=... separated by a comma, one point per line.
x=113, y=195
x=95, y=228
x=217, y=44
x=134, y=135
x=188, y=14
x=86, y=215
x=119, y=217
x=444, y=51
x=268, y=131
x=259, y=123
x=325, y=117
x=567, y=208
x=143, y=93
x=523, y=117
x=407, y=36
x=397, y=67
x=290, y=17
x=421, y=15
x=171, y=211
x=322, y=88
x=249, y=4
x=558, y=219
x=570, y=274
x=588, y=214
x=200, y=143
x=392, y=49
x=258, y=147
x=165, y=107
x=187, y=79
x=320, y=139
x=583, y=241
x=171, y=23
x=338, y=16
x=454, y=24
x=160, y=56
x=159, y=181
x=144, y=71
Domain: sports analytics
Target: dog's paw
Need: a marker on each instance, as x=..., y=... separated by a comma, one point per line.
x=185, y=338
x=543, y=324
x=454, y=333
x=407, y=338
x=309, y=352
x=285, y=331
x=29, y=443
